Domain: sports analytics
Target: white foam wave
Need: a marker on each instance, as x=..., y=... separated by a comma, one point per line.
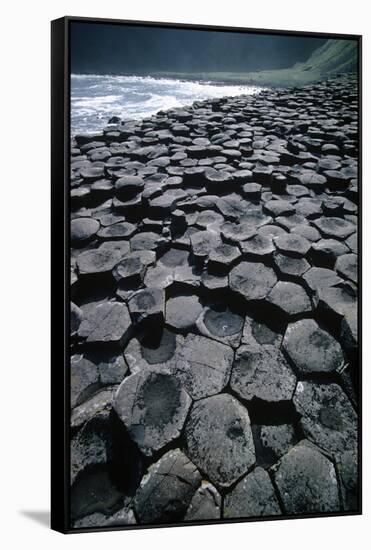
x=95, y=97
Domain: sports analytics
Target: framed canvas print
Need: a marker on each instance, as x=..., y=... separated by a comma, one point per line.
x=205, y=280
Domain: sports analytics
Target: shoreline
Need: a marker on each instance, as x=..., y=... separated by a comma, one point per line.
x=221, y=83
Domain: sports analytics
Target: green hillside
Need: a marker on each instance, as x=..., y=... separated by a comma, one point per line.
x=334, y=57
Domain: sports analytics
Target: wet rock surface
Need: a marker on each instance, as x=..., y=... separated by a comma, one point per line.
x=214, y=367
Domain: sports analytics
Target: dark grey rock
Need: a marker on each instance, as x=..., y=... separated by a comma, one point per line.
x=127, y=186
x=292, y=245
x=174, y=257
x=132, y=268
x=167, y=489
x=347, y=468
x=118, y=248
x=252, y=281
x=222, y=324
x=279, y=208
x=183, y=311
x=100, y=404
x=319, y=277
x=311, y=349
x=278, y=439
x=327, y=416
x=347, y=267
x=339, y=301
x=307, y=231
x=349, y=329
x=76, y=316
x=255, y=332
x=203, y=366
x=219, y=439
x=288, y=266
x=258, y=246
x=119, y=230
x=203, y=242
x=158, y=348
x=205, y=505
x=291, y=299
x=90, y=446
x=253, y=496
x=336, y=228
x=145, y=241
x=83, y=229
x=306, y=481
x=125, y=516
x=325, y=252
x=235, y=233
x=108, y=322
x=93, y=262
x=95, y=493
x=148, y=303
x=153, y=406
x=159, y=277
x=84, y=379
x=223, y=257
x=262, y=372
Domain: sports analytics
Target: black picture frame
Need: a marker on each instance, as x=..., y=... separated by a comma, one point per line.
x=60, y=251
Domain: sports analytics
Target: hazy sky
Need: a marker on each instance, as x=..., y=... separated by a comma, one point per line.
x=103, y=48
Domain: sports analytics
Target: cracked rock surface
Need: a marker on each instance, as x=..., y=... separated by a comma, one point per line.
x=214, y=334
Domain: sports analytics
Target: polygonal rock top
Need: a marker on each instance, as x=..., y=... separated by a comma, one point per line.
x=203, y=365
x=251, y=280
x=253, y=496
x=290, y=298
x=327, y=416
x=219, y=439
x=312, y=349
x=306, y=481
x=262, y=372
x=166, y=490
x=153, y=406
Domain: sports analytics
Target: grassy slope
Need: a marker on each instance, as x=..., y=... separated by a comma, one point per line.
x=335, y=56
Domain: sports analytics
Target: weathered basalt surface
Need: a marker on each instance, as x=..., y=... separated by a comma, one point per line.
x=214, y=311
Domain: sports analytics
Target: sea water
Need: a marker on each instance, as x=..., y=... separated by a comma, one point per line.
x=96, y=98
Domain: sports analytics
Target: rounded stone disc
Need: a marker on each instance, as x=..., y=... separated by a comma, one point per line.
x=83, y=229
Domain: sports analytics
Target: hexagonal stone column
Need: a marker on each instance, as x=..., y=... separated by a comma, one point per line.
x=327, y=416
x=251, y=280
x=109, y=323
x=219, y=439
x=153, y=406
x=290, y=299
x=203, y=366
x=262, y=372
x=253, y=496
x=167, y=489
x=306, y=481
x=312, y=349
